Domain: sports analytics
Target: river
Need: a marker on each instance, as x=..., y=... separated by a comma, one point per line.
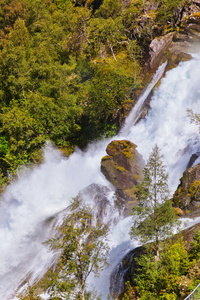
x=30, y=203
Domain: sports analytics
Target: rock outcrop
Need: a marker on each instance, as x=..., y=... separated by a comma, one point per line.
x=125, y=271
x=123, y=167
x=103, y=199
x=187, y=195
x=174, y=46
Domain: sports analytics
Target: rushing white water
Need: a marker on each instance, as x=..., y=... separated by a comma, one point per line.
x=167, y=124
x=30, y=203
x=136, y=112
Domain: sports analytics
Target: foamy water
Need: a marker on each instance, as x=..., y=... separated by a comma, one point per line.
x=30, y=203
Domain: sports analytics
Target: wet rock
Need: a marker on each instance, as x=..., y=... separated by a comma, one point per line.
x=102, y=198
x=187, y=195
x=125, y=271
x=193, y=158
x=123, y=167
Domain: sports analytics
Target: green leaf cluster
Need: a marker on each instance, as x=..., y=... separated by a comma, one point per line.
x=168, y=12
x=159, y=278
x=83, y=250
x=171, y=276
x=195, y=247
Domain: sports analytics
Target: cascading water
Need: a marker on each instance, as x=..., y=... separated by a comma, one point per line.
x=167, y=123
x=29, y=204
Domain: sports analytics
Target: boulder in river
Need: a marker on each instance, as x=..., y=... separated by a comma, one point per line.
x=123, y=167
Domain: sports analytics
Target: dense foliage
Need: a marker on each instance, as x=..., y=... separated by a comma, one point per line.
x=60, y=60
x=172, y=276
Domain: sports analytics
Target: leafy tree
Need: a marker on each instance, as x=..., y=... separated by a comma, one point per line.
x=167, y=11
x=110, y=8
x=154, y=217
x=59, y=61
x=108, y=91
x=129, y=293
x=82, y=248
x=159, y=279
x=105, y=36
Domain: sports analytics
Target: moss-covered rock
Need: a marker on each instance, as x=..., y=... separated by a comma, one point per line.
x=123, y=167
x=187, y=195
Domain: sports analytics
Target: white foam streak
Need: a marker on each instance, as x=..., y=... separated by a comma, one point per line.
x=136, y=111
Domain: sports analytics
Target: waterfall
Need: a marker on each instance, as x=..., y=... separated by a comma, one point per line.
x=33, y=204
x=167, y=124
x=136, y=111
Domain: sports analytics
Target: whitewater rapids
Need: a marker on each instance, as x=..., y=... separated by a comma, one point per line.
x=31, y=202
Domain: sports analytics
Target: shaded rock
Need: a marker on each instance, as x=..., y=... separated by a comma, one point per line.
x=101, y=197
x=172, y=47
x=187, y=195
x=125, y=271
x=123, y=167
x=193, y=158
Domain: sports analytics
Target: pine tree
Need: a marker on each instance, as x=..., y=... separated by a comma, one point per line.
x=154, y=217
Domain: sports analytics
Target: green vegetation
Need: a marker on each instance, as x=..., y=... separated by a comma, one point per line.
x=67, y=69
x=81, y=247
x=168, y=270
x=195, y=247
x=153, y=218
x=60, y=60
x=30, y=293
x=159, y=278
x=172, y=276
x=83, y=250
x=169, y=11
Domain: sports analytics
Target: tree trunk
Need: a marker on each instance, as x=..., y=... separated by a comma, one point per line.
x=83, y=294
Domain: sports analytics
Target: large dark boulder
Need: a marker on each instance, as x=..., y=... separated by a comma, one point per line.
x=123, y=167
x=187, y=195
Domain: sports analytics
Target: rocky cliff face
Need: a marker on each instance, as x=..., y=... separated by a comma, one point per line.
x=187, y=195
x=174, y=46
x=123, y=167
